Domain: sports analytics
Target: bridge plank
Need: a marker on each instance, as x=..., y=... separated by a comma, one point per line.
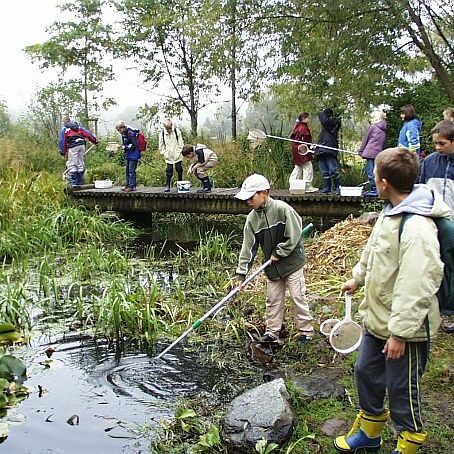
x=219, y=201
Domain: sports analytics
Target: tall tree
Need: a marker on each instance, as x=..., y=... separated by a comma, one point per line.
x=78, y=47
x=353, y=54
x=168, y=41
x=236, y=48
x=49, y=105
x=5, y=121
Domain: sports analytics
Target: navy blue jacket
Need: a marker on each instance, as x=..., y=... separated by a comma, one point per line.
x=437, y=171
x=129, y=139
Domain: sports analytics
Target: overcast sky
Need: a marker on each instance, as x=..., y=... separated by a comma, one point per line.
x=24, y=23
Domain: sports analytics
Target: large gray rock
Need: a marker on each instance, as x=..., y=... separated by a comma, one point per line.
x=262, y=412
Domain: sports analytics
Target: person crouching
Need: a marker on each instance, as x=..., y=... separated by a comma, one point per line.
x=202, y=159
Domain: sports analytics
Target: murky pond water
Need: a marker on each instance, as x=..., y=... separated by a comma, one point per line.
x=94, y=397
x=101, y=398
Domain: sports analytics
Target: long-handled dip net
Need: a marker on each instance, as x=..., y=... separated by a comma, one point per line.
x=256, y=137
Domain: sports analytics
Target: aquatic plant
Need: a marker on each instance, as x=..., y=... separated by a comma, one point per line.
x=34, y=218
x=14, y=304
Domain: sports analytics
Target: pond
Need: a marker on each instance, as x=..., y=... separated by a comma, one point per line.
x=104, y=398
x=98, y=396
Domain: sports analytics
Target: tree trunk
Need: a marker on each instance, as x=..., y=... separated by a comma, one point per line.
x=424, y=45
x=233, y=71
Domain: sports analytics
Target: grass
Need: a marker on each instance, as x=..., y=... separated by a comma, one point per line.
x=82, y=273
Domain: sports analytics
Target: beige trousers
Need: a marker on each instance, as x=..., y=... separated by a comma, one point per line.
x=304, y=171
x=275, y=304
x=201, y=171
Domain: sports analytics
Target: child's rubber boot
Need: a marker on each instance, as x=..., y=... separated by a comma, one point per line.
x=337, y=183
x=364, y=434
x=206, y=185
x=409, y=442
x=168, y=181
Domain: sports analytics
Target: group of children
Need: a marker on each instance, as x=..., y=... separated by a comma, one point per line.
x=172, y=147
x=400, y=312
x=73, y=139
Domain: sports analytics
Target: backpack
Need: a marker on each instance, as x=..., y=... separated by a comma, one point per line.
x=141, y=141
x=162, y=132
x=445, y=294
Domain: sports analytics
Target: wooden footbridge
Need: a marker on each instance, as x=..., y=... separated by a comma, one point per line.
x=219, y=201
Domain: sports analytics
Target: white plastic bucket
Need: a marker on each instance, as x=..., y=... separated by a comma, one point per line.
x=351, y=191
x=103, y=184
x=183, y=186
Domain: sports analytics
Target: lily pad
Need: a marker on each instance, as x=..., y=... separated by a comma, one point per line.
x=12, y=368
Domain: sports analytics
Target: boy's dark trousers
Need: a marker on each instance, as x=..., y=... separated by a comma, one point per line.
x=169, y=173
x=401, y=377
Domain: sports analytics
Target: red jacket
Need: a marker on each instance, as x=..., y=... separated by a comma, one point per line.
x=301, y=132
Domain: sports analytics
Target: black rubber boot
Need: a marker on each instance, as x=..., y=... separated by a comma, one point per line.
x=337, y=184
x=326, y=185
x=168, y=181
x=206, y=185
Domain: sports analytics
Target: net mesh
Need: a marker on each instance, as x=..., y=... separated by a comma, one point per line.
x=327, y=326
x=256, y=138
x=346, y=337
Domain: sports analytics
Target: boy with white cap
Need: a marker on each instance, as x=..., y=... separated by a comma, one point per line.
x=276, y=227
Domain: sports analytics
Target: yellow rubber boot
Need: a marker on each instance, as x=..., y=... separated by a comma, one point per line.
x=409, y=442
x=364, y=434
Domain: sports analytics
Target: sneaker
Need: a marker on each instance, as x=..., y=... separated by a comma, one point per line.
x=268, y=338
x=129, y=190
x=203, y=190
x=303, y=339
x=371, y=194
x=311, y=189
x=167, y=189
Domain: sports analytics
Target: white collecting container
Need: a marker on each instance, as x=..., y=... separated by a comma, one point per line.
x=297, y=187
x=103, y=184
x=183, y=186
x=351, y=191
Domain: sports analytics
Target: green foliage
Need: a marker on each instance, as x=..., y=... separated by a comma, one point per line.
x=11, y=368
x=169, y=45
x=5, y=121
x=209, y=442
x=429, y=100
x=351, y=55
x=81, y=44
x=262, y=446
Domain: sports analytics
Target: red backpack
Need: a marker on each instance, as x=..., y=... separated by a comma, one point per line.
x=141, y=141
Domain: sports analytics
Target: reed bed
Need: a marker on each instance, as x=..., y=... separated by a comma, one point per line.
x=333, y=254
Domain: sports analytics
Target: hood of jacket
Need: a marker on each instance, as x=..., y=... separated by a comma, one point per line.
x=423, y=201
x=381, y=124
x=72, y=125
x=415, y=122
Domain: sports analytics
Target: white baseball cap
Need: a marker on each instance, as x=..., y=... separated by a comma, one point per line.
x=251, y=185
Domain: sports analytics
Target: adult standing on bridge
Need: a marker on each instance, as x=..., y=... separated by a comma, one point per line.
x=276, y=227
x=202, y=159
x=129, y=137
x=72, y=141
x=410, y=133
x=327, y=157
x=303, y=162
x=371, y=145
x=170, y=146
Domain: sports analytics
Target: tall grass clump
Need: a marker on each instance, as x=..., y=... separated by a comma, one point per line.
x=35, y=218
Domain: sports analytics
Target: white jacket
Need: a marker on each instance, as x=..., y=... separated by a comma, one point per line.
x=170, y=145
